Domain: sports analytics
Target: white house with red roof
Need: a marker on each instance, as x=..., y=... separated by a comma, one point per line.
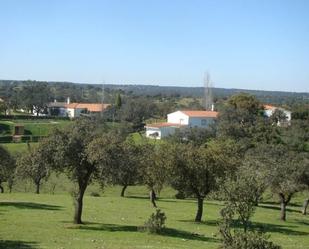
x=73, y=110
x=270, y=109
x=178, y=120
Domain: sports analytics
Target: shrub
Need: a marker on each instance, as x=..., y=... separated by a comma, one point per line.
x=6, y=139
x=30, y=117
x=94, y=194
x=249, y=240
x=180, y=195
x=155, y=223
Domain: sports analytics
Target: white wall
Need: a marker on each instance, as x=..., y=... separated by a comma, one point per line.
x=167, y=131
x=270, y=112
x=71, y=112
x=200, y=122
x=162, y=131
x=178, y=118
x=151, y=130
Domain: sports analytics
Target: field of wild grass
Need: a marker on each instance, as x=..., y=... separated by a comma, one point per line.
x=29, y=221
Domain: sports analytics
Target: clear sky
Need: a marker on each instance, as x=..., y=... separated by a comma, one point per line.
x=252, y=44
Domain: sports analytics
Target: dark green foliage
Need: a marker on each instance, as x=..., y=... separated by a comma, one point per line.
x=283, y=169
x=7, y=167
x=68, y=152
x=30, y=117
x=136, y=111
x=241, y=115
x=240, y=195
x=34, y=165
x=296, y=135
x=35, y=96
x=156, y=222
x=278, y=117
x=94, y=194
x=196, y=136
x=249, y=240
x=196, y=170
x=6, y=139
x=301, y=112
x=118, y=101
x=153, y=168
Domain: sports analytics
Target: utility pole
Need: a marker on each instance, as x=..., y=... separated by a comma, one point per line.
x=102, y=99
x=208, y=99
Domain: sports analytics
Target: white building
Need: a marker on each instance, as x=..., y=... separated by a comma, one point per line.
x=269, y=110
x=73, y=110
x=178, y=120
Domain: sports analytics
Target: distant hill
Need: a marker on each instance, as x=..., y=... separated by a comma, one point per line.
x=274, y=97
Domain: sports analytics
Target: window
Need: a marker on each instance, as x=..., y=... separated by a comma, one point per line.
x=204, y=122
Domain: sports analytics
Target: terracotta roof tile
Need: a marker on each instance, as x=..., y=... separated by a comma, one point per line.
x=269, y=107
x=204, y=114
x=91, y=107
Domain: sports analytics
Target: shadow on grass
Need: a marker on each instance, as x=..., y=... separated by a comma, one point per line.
x=277, y=204
x=16, y=244
x=206, y=222
x=266, y=227
x=275, y=228
x=137, y=197
x=278, y=208
x=29, y=205
x=169, y=232
x=110, y=228
x=303, y=222
x=160, y=199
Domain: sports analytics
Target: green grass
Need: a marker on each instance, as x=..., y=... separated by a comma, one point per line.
x=32, y=127
x=16, y=148
x=44, y=221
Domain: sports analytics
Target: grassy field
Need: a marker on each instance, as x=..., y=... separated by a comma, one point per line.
x=16, y=148
x=44, y=221
x=32, y=127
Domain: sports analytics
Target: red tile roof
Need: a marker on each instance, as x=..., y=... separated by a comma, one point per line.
x=91, y=107
x=269, y=107
x=204, y=114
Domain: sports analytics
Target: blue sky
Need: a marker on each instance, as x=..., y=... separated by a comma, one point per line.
x=253, y=44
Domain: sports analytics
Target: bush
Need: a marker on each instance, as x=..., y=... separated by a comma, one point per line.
x=155, y=223
x=180, y=195
x=94, y=194
x=6, y=139
x=249, y=240
x=30, y=117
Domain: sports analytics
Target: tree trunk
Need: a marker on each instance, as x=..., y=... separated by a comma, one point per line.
x=123, y=190
x=79, y=205
x=10, y=185
x=37, y=188
x=153, y=197
x=283, y=211
x=305, y=206
x=1, y=189
x=284, y=200
x=199, y=214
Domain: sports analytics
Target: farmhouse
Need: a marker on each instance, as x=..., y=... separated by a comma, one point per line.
x=73, y=110
x=270, y=109
x=178, y=120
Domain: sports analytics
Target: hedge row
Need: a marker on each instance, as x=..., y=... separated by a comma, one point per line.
x=29, y=117
x=22, y=139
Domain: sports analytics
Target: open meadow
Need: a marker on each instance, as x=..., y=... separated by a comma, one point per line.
x=45, y=221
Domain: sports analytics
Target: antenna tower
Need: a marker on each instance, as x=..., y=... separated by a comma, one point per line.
x=102, y=99
x=208, y=100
